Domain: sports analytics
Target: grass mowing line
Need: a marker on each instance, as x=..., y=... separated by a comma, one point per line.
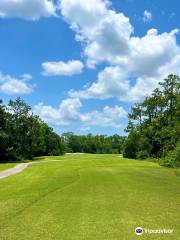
x=50, y=192
x=18, y=213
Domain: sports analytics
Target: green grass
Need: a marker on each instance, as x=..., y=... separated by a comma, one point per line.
x=94, y=197
x=5, y=166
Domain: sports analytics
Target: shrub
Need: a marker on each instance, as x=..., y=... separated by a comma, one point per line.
x=172, y=159
x=142, y=155
x=131, y=145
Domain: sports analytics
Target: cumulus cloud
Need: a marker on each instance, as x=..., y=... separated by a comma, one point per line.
x=152, y=58
x=108, y=117
x=147, y=16
x=111, y=82
x=151, y=52
x=104, y=31
x=62, y=69
x=69, y=113
x=12, y=86
x=27, y=9
x=135, y=64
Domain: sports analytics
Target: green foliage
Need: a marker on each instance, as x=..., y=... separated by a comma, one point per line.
x=93, y=144
x=23, y=135
x=131, y=145
x=143, y=154
x=172, y=159
x=154, y=124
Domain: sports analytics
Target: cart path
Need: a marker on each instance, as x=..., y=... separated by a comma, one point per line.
x=12, y=171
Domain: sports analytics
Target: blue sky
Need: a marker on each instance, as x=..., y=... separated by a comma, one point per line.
x=82, y=64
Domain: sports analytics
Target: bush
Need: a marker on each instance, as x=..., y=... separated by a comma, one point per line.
x=142, y=155
x=115, y=151
x=131, y=145
x=172, y=159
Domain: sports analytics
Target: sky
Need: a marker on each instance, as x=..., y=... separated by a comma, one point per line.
x=81, y=65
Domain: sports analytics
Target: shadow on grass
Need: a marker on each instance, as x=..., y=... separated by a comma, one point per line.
x=37, y=158
x=23, y=160
x=14, y=161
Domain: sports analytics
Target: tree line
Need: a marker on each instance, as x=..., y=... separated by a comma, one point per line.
x=100, y=144
x=154, y=125
x=24, y=135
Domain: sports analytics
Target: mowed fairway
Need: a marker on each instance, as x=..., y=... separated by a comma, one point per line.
x=90, y=197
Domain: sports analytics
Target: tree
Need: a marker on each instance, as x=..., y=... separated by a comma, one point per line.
x=3, y=133
x=24, y=135
x=170, y=89
x=154, y=124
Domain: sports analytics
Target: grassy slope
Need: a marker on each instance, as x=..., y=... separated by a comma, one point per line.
x=95, y=197
x=5, y=166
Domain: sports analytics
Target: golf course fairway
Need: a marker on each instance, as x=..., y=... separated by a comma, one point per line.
x=90, y=197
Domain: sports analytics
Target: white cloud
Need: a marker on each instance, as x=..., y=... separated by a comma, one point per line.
x=83, y=14
x=150, y=60
x=104, y=31
x=135, y=64
x=112, y=82
x=111, y=38
x=27, y=9
x=151, y=52
x=68, y=113
x=12, y=86
x=62, y=69
x=147, y=16
x=108, y=117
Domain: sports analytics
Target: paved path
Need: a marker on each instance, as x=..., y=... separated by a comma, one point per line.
x=17, y=169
